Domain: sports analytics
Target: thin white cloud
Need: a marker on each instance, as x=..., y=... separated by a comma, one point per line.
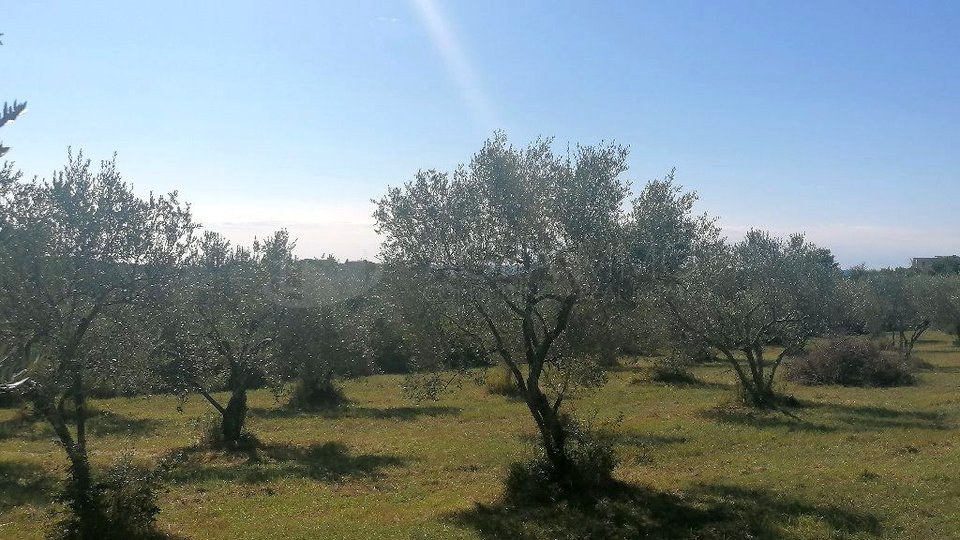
x=457, y=64
x=286, y=211
x=346, y=230
x=343, y=230
x=875, y=245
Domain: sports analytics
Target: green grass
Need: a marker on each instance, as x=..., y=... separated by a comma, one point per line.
x=858, y=463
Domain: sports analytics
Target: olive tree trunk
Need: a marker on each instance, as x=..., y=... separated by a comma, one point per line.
x=234, y=415
x=553, y=435
x=80, y=490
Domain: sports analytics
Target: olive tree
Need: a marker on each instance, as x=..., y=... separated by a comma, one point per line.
x=760, y=293
x=509, y=253
x=325, y=333
x=901, y=302
x=944, y=296
x=223, y=330
x=76, y=254
x=664, y=237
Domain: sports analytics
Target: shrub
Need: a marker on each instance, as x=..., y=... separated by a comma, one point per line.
x=671, y=371
x=675, y=369
x=593, y=459
x=463, y=357
x=125, y=506
x=128, y=496
x=698, y=355
x=640, y=347
x=501, y=383
x=851, y=361
x=211, y=437
x=390, y=350
x=312, y=393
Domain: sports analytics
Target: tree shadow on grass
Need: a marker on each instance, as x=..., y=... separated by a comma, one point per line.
x=386, y=413
x=715, y=511
x=939, y=350
x=20, y=425
x=946, y=369
x=765, y=419
x=647, y=375
x=24, y=483
x=693, y=383
x=836, y=417
x=110, y=423
x=871, y=417
x=648, y=440
x=330, y=462
x=25, y=425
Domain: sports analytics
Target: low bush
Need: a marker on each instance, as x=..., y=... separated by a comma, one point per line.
x=211, y=437
x=675, y=368
x=313, y=393
x=593, y=459
x=851, y=361
x=126, y=506
x=671, y=372
x=128, y=497
x=500, y=382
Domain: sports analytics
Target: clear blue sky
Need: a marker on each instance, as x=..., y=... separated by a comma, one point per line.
x=841, y=119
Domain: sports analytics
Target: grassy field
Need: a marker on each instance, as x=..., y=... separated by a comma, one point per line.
x=857, y=463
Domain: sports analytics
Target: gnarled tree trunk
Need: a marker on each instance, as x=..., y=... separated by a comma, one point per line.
x=553, y=435
x=234, y=415
x=756, y=388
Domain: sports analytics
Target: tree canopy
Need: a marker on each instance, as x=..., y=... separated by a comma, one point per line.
x=761, y=292
x=75, y=253
x=506, y=250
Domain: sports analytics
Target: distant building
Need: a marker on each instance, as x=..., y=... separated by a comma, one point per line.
x=943, y=264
